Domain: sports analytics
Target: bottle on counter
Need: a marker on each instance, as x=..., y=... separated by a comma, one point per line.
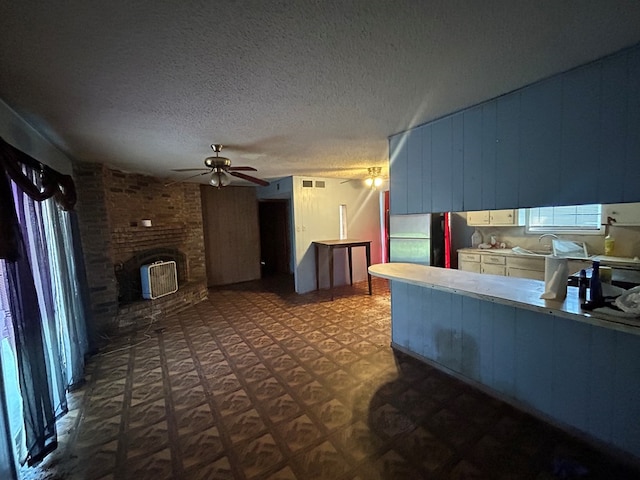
x=595, y=286
x=476, y=238
x=609, y=245
x=582, y=285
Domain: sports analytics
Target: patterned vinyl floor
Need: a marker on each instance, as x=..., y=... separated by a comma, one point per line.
x=261, y=383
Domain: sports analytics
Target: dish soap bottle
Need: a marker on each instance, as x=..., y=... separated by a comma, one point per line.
x=609, y=241
x=609, y=244
x=476, y=238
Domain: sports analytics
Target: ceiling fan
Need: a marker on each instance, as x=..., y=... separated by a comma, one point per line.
x=220, y=168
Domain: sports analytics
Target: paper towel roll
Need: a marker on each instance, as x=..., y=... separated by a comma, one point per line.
x=556, y=272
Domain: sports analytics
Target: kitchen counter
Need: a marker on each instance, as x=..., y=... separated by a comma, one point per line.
x=603, y=259
x=518, y=292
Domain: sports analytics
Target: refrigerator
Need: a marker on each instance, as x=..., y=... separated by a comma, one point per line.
x=423, y=238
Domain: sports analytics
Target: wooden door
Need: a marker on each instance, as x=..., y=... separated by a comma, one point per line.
x=231, y=234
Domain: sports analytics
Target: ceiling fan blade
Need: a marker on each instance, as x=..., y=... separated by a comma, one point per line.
x=189, y=169
x=250, y=178
x=245, y=169
x=187, y=178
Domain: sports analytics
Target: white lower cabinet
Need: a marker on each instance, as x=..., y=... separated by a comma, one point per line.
x=532, y=268
x=469, y=262
x=493, y=269
x=525, y=273
x=494, y=263
x=482, y=263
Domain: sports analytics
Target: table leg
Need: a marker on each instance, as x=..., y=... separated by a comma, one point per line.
x=368, y=252
x=350, y=267
x=330, y=251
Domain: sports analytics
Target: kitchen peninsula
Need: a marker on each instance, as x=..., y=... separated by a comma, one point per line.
x=518, y=292
x=577, y=370
x=538, y=145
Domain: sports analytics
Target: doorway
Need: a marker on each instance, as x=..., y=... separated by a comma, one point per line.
x=275, y=237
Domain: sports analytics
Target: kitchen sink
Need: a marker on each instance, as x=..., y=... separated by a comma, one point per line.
x=524, y=251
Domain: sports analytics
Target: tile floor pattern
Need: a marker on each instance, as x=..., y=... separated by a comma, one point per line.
x=261, y=383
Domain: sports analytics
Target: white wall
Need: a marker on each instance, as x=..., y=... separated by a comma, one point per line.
x=15, y=131
x=316, y=217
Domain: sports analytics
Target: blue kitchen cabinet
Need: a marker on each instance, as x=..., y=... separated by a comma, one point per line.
x=489, y=178
x=631, y=166
x=580, y=134
x=507, y=150
x=472, y=159
x=398, y=174
x=442, y=172
x=414, y=170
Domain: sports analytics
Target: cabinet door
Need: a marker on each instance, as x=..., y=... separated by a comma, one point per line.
x=494, y=259
x=624, y=213
x=469, y=262
x=526, y=263
x=493, y=269
x=502, y=217
x=398, y=174
x=524, y=273
x=469, y=266
x=478, y=218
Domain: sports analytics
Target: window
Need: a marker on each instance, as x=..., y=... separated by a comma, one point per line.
x=582, y=219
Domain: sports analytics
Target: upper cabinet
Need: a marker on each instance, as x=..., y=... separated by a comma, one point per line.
x=622, y=213
x=570, y=139
x=509, y=217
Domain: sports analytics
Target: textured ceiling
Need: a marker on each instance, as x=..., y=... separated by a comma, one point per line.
x=291, y=87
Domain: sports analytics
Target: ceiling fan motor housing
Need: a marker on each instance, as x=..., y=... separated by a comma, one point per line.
x=212, y=162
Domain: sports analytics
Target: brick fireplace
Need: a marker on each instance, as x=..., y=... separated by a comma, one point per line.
x=116, y=242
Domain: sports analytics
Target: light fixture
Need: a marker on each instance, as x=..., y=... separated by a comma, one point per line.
x=219, y=178
x=373, y=179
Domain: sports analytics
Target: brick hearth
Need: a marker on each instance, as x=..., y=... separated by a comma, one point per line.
x=111, y=207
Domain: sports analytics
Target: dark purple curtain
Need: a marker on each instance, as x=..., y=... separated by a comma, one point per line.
x=36, y=389
x=40, y=422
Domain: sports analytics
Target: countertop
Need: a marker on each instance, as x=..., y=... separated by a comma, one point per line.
x=518, y=292
x=603, y=259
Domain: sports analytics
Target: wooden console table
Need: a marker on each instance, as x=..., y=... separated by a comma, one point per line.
x=329, y=246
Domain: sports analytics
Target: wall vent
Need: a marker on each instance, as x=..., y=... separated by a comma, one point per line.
x=158, y=279
x=319, y=183
x=307, y=183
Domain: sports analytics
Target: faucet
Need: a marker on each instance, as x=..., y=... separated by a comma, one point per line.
x=547, y=235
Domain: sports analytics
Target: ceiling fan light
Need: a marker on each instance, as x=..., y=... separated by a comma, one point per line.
x=377, y=182
x=368, y=182
x=219, y=178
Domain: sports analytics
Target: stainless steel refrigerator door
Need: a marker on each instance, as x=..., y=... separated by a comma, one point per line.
x=409, y=238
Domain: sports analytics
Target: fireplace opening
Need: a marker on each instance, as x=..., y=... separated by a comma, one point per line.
x=128, y=273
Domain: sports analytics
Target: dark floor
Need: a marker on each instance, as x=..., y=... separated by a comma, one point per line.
x=259, y=382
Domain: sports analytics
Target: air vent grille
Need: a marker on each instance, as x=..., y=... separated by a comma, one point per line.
x=307, y=183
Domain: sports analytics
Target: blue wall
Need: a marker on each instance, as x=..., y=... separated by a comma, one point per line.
x=582, y=375
x=573, y=138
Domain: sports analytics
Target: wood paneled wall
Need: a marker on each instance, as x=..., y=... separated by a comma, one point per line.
x=571, y=139
x=231, y=234
x=579, y=374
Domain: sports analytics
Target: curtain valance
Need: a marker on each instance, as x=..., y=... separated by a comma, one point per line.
x=52, y=184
